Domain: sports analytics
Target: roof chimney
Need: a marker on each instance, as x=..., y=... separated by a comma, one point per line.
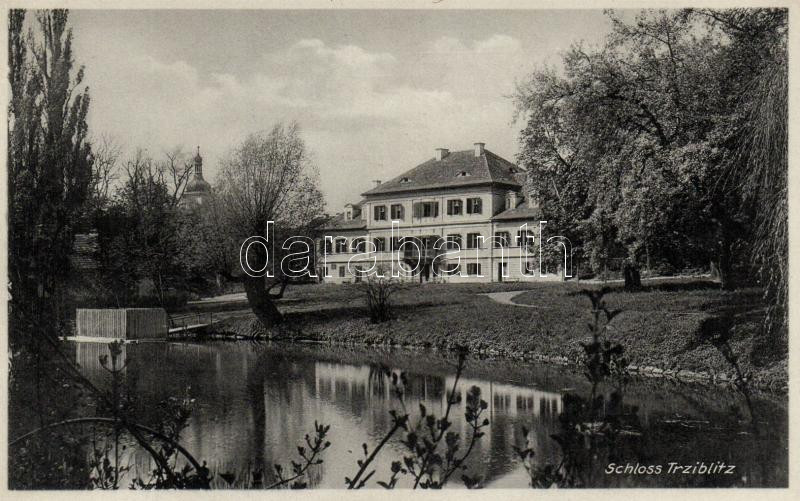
x=441, y=153
x=479, y=149
x=377, y=182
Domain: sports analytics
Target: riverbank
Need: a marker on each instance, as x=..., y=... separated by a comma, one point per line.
x=660, y=326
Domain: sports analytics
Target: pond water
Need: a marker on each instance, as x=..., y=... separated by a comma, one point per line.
x=254, y=403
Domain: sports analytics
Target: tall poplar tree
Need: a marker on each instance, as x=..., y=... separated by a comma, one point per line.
x=49, y=167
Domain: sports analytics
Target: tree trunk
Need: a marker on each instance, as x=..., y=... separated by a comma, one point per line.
x=725, y=264
x=725, y=267
x=633, y=280
x=714, y=266
x=261, y=302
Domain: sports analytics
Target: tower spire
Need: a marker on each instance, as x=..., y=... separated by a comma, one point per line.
x=198, y=165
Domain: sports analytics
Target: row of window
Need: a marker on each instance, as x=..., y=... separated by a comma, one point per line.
x=455, y=207
x=453, y=268
x=453, y=241
x=501, y=239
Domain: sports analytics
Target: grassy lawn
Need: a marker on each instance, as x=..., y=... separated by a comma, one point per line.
x=659, y=325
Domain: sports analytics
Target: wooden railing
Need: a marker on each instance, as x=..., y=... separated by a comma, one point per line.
x=187, y=320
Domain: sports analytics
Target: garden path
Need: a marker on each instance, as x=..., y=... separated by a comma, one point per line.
x=506, y=298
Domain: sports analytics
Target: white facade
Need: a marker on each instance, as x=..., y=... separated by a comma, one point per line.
x=433, y=216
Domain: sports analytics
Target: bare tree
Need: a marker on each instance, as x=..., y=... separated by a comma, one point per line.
x=171, y=175
x=105, y=153
x=179, y=170
x=268, y=178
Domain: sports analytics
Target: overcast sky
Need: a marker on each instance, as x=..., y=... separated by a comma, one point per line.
x=373, y=91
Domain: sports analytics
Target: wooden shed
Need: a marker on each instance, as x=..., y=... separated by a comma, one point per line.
x=121, y=323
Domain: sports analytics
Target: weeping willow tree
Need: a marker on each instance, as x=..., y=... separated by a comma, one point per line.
x=765, y=183
x=759, y=170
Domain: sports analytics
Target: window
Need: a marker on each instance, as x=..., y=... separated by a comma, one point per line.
x=397, y=212
x=380, y=213
x=453, y=242
x=396, y=241
x=472, y=240
x=380, y=244
x=473, y=269
x=328, y=246
x=454, y=207
x=359, y=244
x=341, y=245
x=463, y=173
x=341, y=272
x=525, y=238
x=348, y=215
x=474, y=206
x=404, y=180
x=426, y=209
x=502, y=239
x=451, y=269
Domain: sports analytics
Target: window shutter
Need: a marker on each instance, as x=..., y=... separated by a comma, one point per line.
x=418, y=210
x=435, y=209
x=449, y=207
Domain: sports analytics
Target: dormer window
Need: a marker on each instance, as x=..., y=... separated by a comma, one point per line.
x=348, y=215
x=463, y=173
x=404, y=180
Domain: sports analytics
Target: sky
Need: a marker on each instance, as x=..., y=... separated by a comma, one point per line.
x=374, y=92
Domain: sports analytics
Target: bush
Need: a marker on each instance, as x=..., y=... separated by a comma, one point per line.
x=378, y=290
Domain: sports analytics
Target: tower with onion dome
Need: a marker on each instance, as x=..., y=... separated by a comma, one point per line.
x=197, y=190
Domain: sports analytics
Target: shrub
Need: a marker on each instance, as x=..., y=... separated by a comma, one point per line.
x=378, y=290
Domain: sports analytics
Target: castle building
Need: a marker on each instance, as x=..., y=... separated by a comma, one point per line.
x=197, y=190
x=460, y=216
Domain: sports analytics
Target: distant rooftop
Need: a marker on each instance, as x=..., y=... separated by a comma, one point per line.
x=338, y=222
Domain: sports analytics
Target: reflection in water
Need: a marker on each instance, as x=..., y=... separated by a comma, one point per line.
x=254, y=406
